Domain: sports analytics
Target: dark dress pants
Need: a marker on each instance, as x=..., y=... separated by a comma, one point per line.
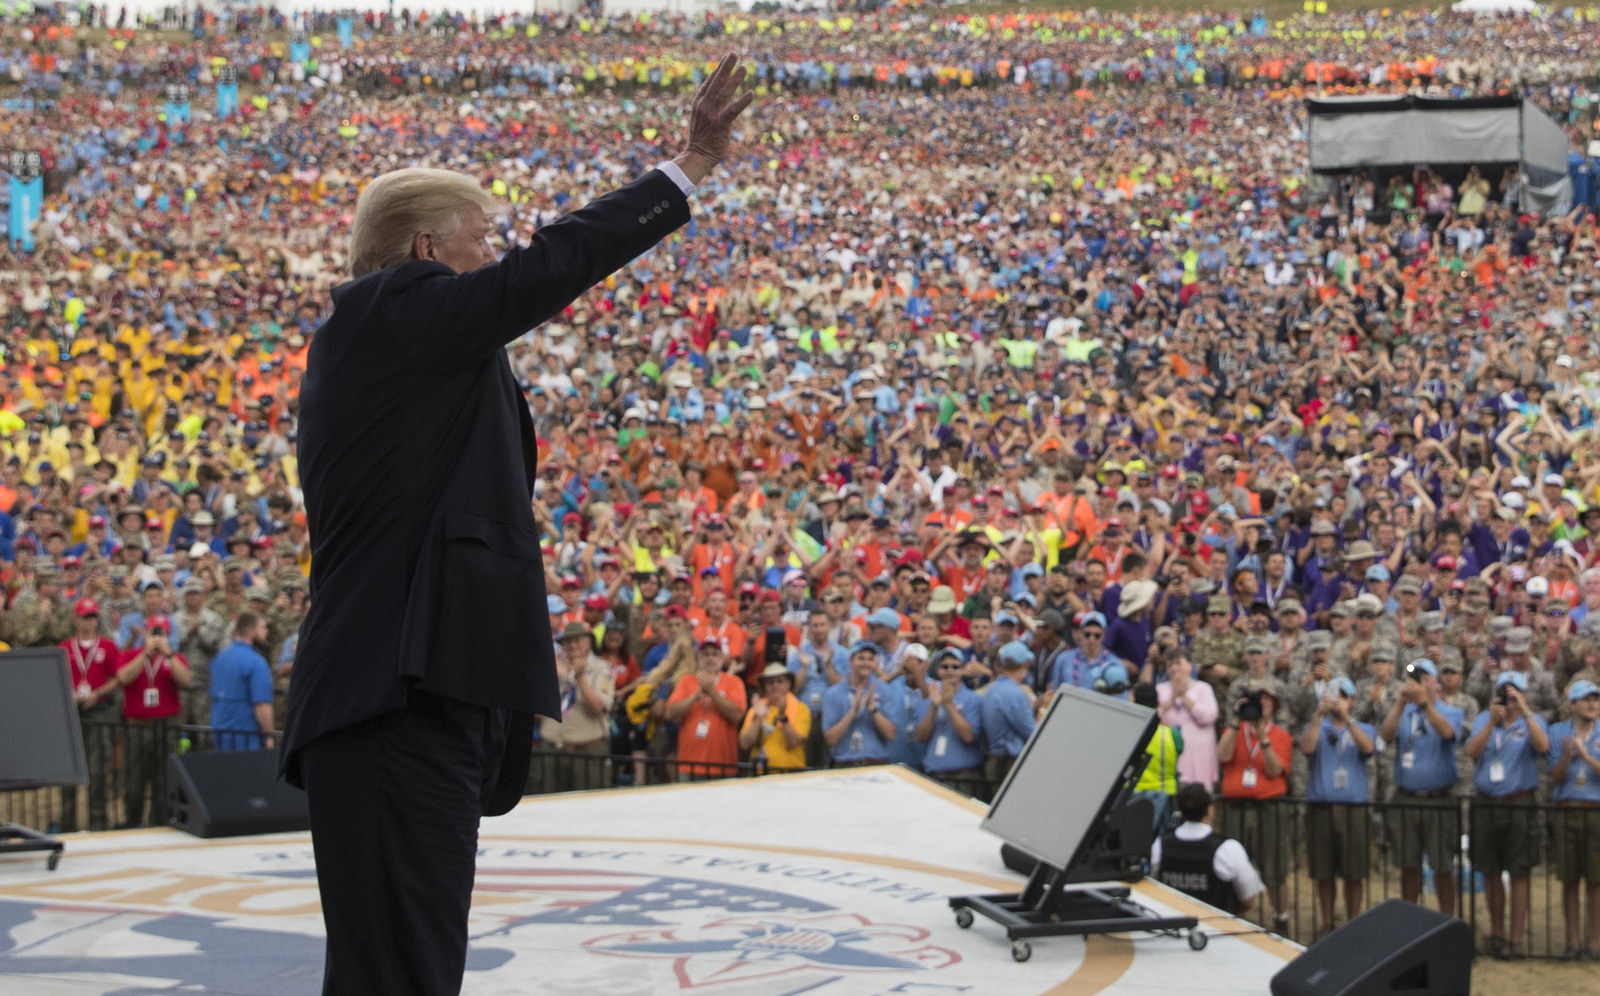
x=394, y=805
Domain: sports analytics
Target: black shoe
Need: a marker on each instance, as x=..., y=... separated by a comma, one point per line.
x=1571, y=954
x=1496, y=948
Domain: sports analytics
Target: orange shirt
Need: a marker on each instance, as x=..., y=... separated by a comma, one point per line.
x=723, y=558
x=730, y=634
x=1247, y=753
x=705, y=734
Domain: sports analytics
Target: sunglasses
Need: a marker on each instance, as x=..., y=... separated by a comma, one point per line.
x=1090, y=634
x=1216, y=614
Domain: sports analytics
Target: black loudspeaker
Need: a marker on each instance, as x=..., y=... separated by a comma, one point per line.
x=231, y=793
x=1395, y=947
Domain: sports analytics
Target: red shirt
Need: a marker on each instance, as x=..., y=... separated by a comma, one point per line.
x=93, y=666
x=153, y=676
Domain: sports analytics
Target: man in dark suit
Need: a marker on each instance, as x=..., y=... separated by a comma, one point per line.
x=426, y=652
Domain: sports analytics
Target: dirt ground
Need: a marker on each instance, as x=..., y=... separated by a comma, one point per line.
x=1496, y=978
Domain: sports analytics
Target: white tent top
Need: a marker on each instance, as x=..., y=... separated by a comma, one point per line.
x=1494, y=6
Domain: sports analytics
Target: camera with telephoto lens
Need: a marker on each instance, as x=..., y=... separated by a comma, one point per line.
x=1502, y=695
x=1249, y=709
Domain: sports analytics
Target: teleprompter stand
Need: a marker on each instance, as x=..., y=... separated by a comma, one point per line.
x=1057, y=901
x=15, y=838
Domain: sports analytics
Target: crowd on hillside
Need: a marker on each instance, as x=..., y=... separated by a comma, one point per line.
x=1010, y=352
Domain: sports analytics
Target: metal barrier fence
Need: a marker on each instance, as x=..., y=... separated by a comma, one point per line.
x=1513, y=871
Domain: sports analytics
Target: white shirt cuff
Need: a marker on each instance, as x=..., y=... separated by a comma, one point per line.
x=676, y=174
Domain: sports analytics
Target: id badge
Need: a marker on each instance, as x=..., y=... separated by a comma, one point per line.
x=858, y=743
x=1582, y=779
x=816, y=701
x=1341, y=780
x=940, y=745
x=702, y=729
x=152, y=698
x=1497, y=772
x=1408, y=759
x=84, y=689
x=1248, y=779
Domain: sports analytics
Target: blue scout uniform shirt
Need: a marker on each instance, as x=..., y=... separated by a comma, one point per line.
x=240, y=679
x=1072, y=668
x=1338, y=771
x=1424, y=762
x=1007, y=718
x=945, y=751
x=905, y=707
x=1581, y=783
x=808, y=659
x=861, y=741
x=1508, y=764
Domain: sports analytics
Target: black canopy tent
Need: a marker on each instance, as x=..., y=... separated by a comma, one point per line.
x=1384, y=135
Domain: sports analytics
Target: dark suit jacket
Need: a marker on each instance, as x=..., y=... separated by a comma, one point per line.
x=417, y=456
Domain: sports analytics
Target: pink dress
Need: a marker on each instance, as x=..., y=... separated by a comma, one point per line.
x=1198, y=762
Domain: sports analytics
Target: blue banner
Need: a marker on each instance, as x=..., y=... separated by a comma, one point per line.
x=299, y=51
x=27, y=196
x=347, y=30
x=177, y=113
x=227, y=99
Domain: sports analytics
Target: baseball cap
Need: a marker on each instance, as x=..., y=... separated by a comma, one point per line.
x=1092, y=619
x=1582, y=689
x=1516, y=678
x=1424, y=665
x=87, y=607
x=864, y=646
x=884, y=617
x=554, y=604
x=1344, y=686
x=1016, y=652
x=597, y=601
x=161, y=623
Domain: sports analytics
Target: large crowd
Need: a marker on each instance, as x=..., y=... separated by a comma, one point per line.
x=1008, y=352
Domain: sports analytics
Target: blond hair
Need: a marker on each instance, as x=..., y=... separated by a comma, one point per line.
x=395, y=207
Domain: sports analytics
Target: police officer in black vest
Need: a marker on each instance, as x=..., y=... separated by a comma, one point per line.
x=1196, y=859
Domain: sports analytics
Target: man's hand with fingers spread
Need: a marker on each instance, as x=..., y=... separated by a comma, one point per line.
x=716, y=107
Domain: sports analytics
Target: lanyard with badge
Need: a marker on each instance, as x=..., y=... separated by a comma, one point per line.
x=152, y=668
x=1580, y=777
x=1497, y=743
x=1408, y=758
x=1341, y=741
x=1247, y=778
x=80, y=665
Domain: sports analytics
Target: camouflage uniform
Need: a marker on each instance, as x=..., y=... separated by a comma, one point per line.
x=1469, y=709
x=1368, y=711
x=25, y=627
x=198, y=647
x=1227, y=649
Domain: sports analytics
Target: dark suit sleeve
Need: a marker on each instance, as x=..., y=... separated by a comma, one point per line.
x=446, y=319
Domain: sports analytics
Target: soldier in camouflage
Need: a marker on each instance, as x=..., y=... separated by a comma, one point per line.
x=40, y=616
x=1375, y=696
x=1450, y=690
x=1218, y=650
x=1541, y=694
x=199, y=634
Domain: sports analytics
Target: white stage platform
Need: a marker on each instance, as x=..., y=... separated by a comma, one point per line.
x=830, y=883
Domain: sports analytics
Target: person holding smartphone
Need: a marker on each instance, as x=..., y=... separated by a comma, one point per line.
x=152, y=675
x=1508, y=740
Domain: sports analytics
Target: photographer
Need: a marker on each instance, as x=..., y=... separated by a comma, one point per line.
x=1424, y=730
x=1508, y=741
x=1255, y=755
x=1337, y=844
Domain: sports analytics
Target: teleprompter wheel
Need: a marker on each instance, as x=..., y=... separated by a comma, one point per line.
x=1021, y=951
x=53, y=860
x=1197, y=940
x=964, y=918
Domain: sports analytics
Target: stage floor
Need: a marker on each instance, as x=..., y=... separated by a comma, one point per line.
x=825, y=883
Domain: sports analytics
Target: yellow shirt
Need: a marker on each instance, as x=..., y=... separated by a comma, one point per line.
x=780, y=756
